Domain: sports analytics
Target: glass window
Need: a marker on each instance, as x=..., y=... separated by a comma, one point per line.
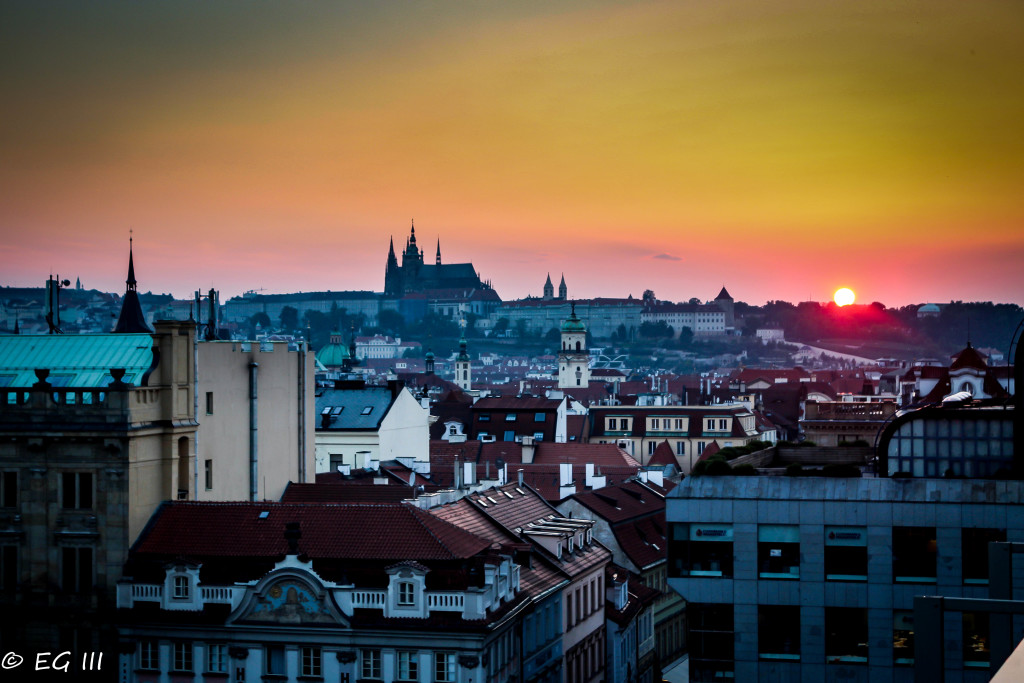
x=406, y=593
x=76, y=569
x=9, y=489
x=370, y=665
x=484, y=417
x=538, y=417
x=209, y=403
x=182, y=656
x=76, y=493
x=311, y=662
x=711, y=641
x=509, y=435
x=846, y=553
x=273, y=660
x=149, y=655
x=701, y=549
x=778, y=632
x=680, y=448
x=444, y=667
x=903, y=637
x=209, y=474
x=408, y=665
x=976, y=639
x=974, y=551
x=914, y=552
x=180, y=591
x=778, y=551
x=510, y=417
x=846, y=634
x=217, y=658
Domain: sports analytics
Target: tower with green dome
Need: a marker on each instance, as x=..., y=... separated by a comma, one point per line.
x=335, y=355
x=573, y=359
x=463, y=375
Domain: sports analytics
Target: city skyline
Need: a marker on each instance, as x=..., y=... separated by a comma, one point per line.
x=783, y=151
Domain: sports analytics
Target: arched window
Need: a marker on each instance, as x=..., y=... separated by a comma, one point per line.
x=577, y=346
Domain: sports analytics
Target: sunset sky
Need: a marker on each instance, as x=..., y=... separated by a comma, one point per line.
x=783, y=149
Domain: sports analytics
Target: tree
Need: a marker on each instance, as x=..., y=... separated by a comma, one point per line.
x=501, y=327
x=391, y=321
x=261, y=319
x=289, y=318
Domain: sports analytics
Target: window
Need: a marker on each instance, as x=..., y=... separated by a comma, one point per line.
x=182, y=656
x=76, y=569
x=711, y=641
x=510, y=435
x=846, y=553
x=976, y=640
x=76, y=493
x=217, y=658
x=273, y=660
x=181, y=584
x=209, y=474
x=778, y=551
x=655, y=423
x=903, y=637
x=406, y=593
x=311, y=662
x=701, y=549
x=149, y=655
x=723, y=425
x=778, y=632
x=370, y=666
x=538, y=417
x=914, y=552
x=680, y=448
x=209, y=403
x=700, y=447
x=510, y=417
x=651, y=447
x=846, y=634
x=408, y=665
x=974, y=551
x=568, y=610
x=484, y=417
x=8, y=489
x=444, y=667
x=367, y=410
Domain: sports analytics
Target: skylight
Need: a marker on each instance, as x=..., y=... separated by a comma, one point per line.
x=367, y=410
x=264, y=514
x=337, y=410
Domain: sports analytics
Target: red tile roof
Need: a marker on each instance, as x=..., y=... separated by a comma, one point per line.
x=663, y=456
x=344, y=493
x=624, y=501
x=383, y=531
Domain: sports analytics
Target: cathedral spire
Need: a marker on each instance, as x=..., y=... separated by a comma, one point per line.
x=131, y=267
x=549, y=289
x=438, y=251
x=563, y=291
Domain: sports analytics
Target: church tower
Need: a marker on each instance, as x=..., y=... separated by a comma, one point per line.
x=437, y=262
x=563, y=291
x=573, y=359
x=549, y=289
x=131, y=319
x=392, y=273
x=463, y=374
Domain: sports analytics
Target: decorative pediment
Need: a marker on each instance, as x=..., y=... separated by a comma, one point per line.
x=288, y=596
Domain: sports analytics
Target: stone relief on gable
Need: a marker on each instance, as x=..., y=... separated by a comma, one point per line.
x=289, y=601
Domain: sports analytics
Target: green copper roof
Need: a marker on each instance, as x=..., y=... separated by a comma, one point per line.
x=572, y=324
x=74, y=360
x=333, y=355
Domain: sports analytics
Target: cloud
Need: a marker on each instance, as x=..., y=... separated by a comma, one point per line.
x=667, y=257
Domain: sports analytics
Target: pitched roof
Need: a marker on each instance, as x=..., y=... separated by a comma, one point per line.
x=379, y=531
x=626, y=501
x=347, y=408
x=663, y=455
x=968, y=358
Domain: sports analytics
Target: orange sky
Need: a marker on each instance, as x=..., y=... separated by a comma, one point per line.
x=781, y=148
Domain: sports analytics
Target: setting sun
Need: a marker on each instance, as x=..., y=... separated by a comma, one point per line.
x=844, y=296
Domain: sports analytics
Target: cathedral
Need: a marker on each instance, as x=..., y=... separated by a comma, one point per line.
x=414, y=275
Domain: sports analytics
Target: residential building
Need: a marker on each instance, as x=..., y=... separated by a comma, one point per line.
x=257, y=419
x=511, y=418
x=338, y=592
x=639, y=430
x=96, y=431
x=357, y=424
x=833, y=423
x=629, y=625
x=629, y=519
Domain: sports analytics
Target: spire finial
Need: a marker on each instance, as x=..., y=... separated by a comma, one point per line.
x=131, y=262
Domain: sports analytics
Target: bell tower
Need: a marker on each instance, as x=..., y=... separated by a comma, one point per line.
x=573, y=359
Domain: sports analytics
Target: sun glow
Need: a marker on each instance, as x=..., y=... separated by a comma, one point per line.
x=844, y=296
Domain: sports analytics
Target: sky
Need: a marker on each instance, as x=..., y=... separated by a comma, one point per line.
x=782, y=149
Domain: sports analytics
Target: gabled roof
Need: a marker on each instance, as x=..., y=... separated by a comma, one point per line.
x=380, y=531
x=347, y=408
x=643, y=541
x=626, y=501
x=663, y=455
x=968, y=358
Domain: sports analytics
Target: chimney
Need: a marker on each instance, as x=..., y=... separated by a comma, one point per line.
x=395, y=386
x=457, y=482
x=565, y=474
x=528, y=450
x=520, y=472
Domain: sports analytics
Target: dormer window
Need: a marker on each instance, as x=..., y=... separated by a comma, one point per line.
x=180, y=589
x=406, y=593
